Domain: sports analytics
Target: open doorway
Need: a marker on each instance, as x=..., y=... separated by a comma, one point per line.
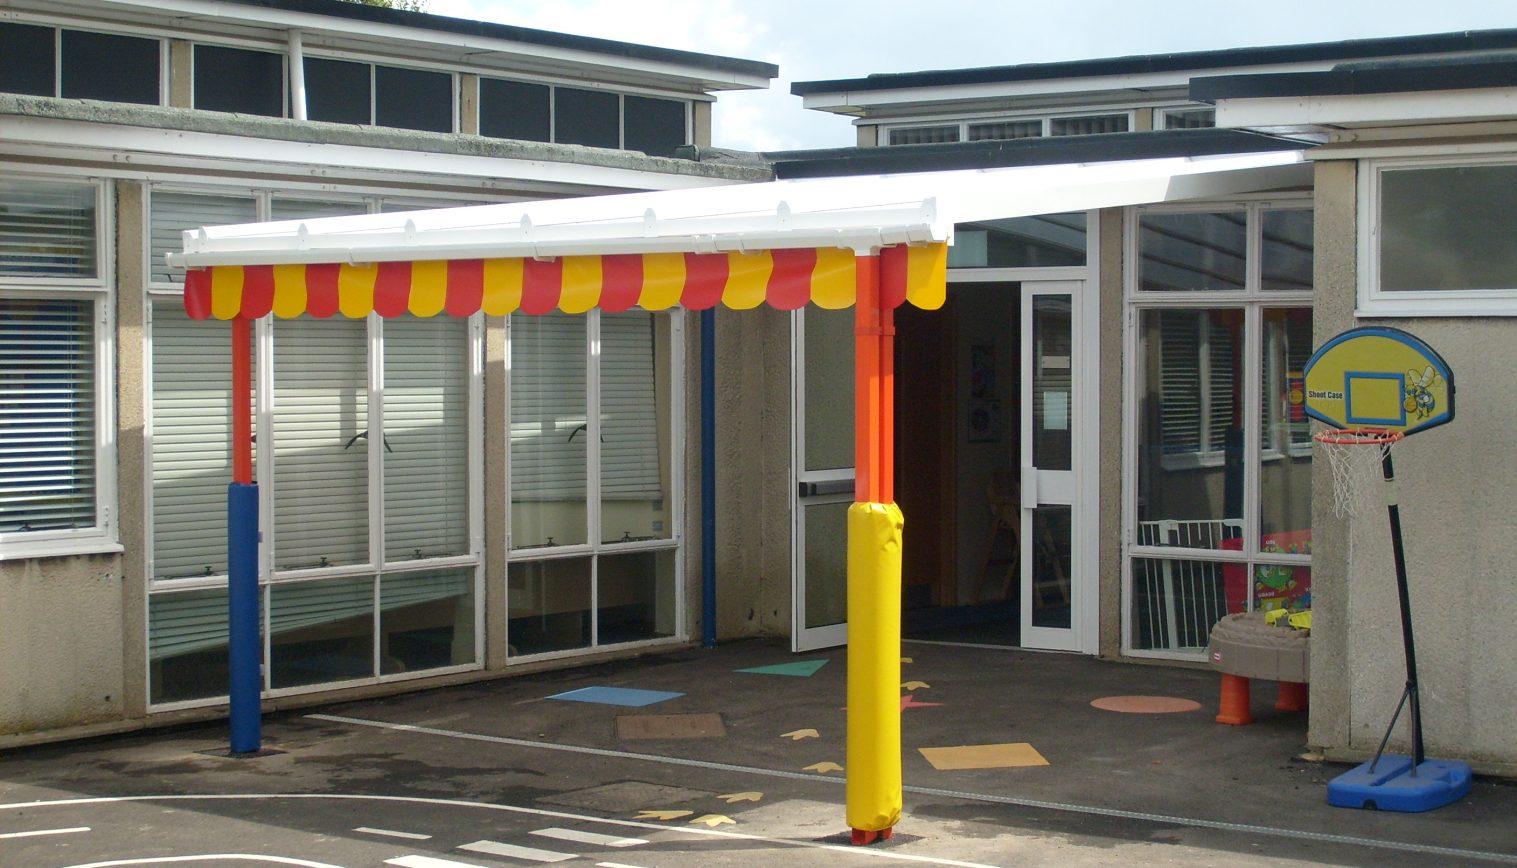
x=958, y=428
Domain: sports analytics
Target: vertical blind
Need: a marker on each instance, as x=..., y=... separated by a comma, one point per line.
x=47, y=415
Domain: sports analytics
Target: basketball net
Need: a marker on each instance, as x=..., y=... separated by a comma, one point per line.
x=1356, y=456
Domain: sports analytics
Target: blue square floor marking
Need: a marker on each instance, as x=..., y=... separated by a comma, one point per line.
x=626, y=696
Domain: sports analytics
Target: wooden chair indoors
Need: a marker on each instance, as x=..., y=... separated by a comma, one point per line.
x=1004, y=548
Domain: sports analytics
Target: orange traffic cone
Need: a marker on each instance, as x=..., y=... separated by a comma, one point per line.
x=1234, y=705
x=1292, y=696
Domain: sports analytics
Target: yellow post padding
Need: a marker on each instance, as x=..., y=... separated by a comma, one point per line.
x=874, y=666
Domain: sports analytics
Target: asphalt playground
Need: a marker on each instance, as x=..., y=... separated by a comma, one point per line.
x=734, y=756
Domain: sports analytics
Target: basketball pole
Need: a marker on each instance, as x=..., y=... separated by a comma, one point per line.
x=1409, y=645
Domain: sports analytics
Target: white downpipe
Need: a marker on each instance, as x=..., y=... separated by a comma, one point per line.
x=297, y=77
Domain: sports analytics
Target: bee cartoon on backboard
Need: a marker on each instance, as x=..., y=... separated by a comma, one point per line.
x=1419, y=395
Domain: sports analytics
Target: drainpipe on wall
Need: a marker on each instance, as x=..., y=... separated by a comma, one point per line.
x=297, y=78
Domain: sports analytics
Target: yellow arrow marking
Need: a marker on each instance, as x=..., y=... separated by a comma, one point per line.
x=907, y=660
x=799, y=734
x=662, y=815
x=714, y=820
x=734, y=798
x=915, y=685
x=823, y=768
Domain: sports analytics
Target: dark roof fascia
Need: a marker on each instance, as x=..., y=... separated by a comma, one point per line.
x=509, y=32
x=1486, y=71
x=1108, y=147
x=1436, y=43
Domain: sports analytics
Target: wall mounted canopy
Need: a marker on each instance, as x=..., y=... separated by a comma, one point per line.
x=782, y=243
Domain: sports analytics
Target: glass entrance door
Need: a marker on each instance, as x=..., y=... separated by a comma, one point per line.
x=1057, y=579
x=822, y=390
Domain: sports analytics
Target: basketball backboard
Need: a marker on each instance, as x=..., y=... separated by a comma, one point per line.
x=1379, y=377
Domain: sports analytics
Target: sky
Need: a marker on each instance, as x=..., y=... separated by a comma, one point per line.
x=828, y=39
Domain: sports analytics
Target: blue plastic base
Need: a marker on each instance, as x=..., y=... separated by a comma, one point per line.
x=1392, y=786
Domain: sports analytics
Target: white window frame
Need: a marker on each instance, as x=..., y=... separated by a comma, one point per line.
x=1253, y=300
x=594, y=548
x=1374, y=302
x=1162, y=114
x=103, y=537
x=1045, y=119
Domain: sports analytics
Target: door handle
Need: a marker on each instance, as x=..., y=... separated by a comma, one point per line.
x=831, y=486
x=1029, y=487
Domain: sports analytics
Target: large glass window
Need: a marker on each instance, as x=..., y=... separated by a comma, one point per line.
x=1223, y=455
x=1043, y=241
x=364, y=453
x=593, y=480
x=55, y=477
x=107, y=66
x=571, y=115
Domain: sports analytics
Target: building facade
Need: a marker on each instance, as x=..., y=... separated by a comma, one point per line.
x=382, y=446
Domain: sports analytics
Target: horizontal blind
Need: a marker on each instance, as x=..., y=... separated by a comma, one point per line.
x=1221, y=384
x=426, y=443
x=192, y=443
x=1179, y=381
x=310, y=209
x=174, y=213
x=549, y=419
x=47, y=415
x=630, y=453
x=47, y=229
x=321, y=443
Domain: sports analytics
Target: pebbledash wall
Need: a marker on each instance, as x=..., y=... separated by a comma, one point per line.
x=108, y=165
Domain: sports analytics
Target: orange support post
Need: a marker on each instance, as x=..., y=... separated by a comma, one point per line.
x=242, y=401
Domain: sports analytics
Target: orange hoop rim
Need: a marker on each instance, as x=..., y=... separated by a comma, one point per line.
x=1359, y=436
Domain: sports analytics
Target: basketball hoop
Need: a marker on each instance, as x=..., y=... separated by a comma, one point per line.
x=1357, y=457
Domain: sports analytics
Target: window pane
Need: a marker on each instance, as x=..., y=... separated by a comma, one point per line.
x=925, y=135
x=47, y=415
x=1052, y=360
x=1087, y=125
x=547, y=606
x=654, y=126
x=826, y=564
x=1189, y=119
x=27, y=59
x=1175, y=603
x=1448, y=228
x=426, y=620
x=192, y=443
x=1285, y=442
x=321, y=631
x=321, y=443
x=1051, y=240
x=173, y=213
x=549, y=430
x=829, y=388
x=238, y=80
x=1287, y=251
x=337, y=91
x=1190, y=441
x=1051, y=546
x=47, y=229
x=313, y=209
x=514, y=110
x=426, y=442
x=413, y=99
x=1192, y=252
x=635, y=417
x=1006, y=130
x=586, y=117
x=636, y=596
x=187, y=645
x=108, y=67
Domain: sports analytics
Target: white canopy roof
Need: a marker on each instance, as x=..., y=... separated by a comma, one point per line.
x=861, y=212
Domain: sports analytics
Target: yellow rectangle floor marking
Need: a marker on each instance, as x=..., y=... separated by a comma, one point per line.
x=983, y=756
